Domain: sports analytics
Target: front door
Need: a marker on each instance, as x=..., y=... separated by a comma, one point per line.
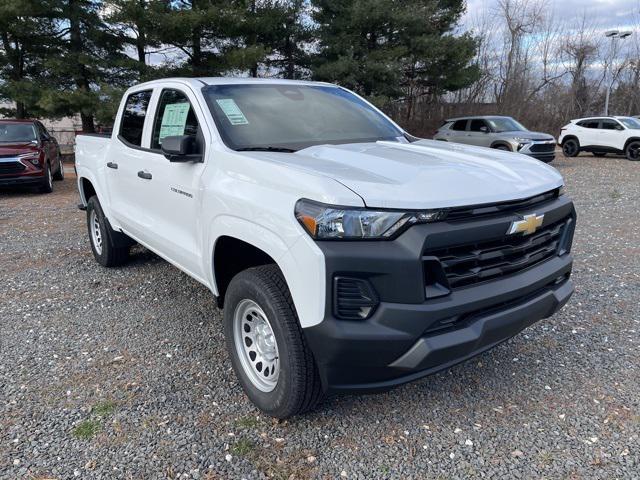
x=177, y=185
x=478, y=133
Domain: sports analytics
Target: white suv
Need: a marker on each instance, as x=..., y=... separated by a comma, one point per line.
x=602, y=135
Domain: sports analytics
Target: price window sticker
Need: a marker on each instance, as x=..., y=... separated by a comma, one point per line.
x=232, y=111
x=174, y=119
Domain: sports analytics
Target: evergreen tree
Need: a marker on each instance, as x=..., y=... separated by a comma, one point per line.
x=384, y=49
x=89, y=56
x=136, y=22
x=25, y=29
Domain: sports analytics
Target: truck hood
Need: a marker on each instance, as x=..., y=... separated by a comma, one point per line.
x=424, y=174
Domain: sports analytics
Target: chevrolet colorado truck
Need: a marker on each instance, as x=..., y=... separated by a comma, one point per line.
x=347, y=255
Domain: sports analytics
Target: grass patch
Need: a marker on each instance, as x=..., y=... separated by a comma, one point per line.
x=247, y=422
x=242, y=447
x=615, y=194
x=104, y=409
x=87, y=429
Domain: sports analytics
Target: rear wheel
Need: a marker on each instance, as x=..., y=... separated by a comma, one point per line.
x=109, y=247
x=47, y=180
x=59, y=175
x=570, y=148
x=268, y=350
x=632, y=152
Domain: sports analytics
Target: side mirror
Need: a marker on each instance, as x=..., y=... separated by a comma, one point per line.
x=484, y=129
x=619, y=127
x=180, y=148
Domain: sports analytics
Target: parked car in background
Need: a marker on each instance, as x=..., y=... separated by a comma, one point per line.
x=347, y=254
x=502, y=133
x=601, y=135
x=29, y=155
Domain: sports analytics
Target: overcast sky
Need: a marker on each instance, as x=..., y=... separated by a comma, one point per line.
x=605, y=14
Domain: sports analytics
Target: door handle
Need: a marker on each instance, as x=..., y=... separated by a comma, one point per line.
x=112, y=165
x=145, y=175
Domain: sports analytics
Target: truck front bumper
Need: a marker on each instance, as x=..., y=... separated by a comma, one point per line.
x=399, y=343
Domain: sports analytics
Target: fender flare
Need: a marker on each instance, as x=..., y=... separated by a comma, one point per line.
x=310, y=310
x=570, y=137
x=629, y=140
x=501, y=143
x=86, y=174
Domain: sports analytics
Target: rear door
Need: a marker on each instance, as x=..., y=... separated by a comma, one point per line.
x=588, y=132
x=126, y=165
x=458, y=132
x=478, y=133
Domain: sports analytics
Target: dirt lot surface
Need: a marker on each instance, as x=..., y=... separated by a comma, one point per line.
x=123, y=373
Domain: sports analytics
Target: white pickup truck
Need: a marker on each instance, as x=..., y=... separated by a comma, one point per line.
x=347, y=254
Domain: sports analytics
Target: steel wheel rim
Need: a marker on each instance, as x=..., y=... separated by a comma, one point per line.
x=256, y=345
x=96, y=233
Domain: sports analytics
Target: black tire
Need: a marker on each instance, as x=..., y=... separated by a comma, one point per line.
x=632, y=151
x=599, y=154
x=298, y=388
x=114, y=246
x=570, y=148
x=59, y=175
x=47, y=180
x=504, y=148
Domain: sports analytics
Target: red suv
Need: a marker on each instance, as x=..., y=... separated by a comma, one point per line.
x=29, y=156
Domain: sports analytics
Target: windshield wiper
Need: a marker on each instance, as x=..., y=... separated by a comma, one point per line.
x=266, y=149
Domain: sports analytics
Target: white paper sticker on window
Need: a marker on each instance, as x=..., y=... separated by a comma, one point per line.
x=232, y=111
x=174, y=119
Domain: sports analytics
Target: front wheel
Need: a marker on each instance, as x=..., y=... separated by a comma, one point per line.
x=47, y=180
x=632, y=152
x=268, y=350
x=504, y=148
x=570, y=148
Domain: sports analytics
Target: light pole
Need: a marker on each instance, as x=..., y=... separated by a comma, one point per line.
x=613, y=35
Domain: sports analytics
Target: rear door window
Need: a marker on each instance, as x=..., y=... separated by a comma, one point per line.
x=589, y=123
x=459, y=125
x=133, y=116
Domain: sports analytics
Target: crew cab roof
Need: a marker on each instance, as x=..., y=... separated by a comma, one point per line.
x=199, y=82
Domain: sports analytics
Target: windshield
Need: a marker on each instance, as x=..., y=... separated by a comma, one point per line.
x=292, y=117
x=630, y=122
x=17, y=132
x=505, y=124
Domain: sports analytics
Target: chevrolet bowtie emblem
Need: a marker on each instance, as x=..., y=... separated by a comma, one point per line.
x=527, y=225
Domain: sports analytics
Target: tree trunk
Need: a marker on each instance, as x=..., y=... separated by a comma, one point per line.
x=87, y=123
x=20, y=110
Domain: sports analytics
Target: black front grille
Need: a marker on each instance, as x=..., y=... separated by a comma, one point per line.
x=353, y=298
x=460, y=213
x=542, y=148
x=477, y=262
x=7, y=168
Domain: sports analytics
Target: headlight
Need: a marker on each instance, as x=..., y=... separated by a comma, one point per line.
x=561, y=190
x=33, y=157
x=520, y=139
x=325, y=222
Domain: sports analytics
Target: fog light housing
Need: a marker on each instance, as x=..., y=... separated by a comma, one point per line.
x=353, y=298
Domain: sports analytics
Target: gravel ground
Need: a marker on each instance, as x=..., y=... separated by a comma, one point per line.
x=123, y=373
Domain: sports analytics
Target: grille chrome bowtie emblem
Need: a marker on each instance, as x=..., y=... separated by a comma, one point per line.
x=528, y=225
